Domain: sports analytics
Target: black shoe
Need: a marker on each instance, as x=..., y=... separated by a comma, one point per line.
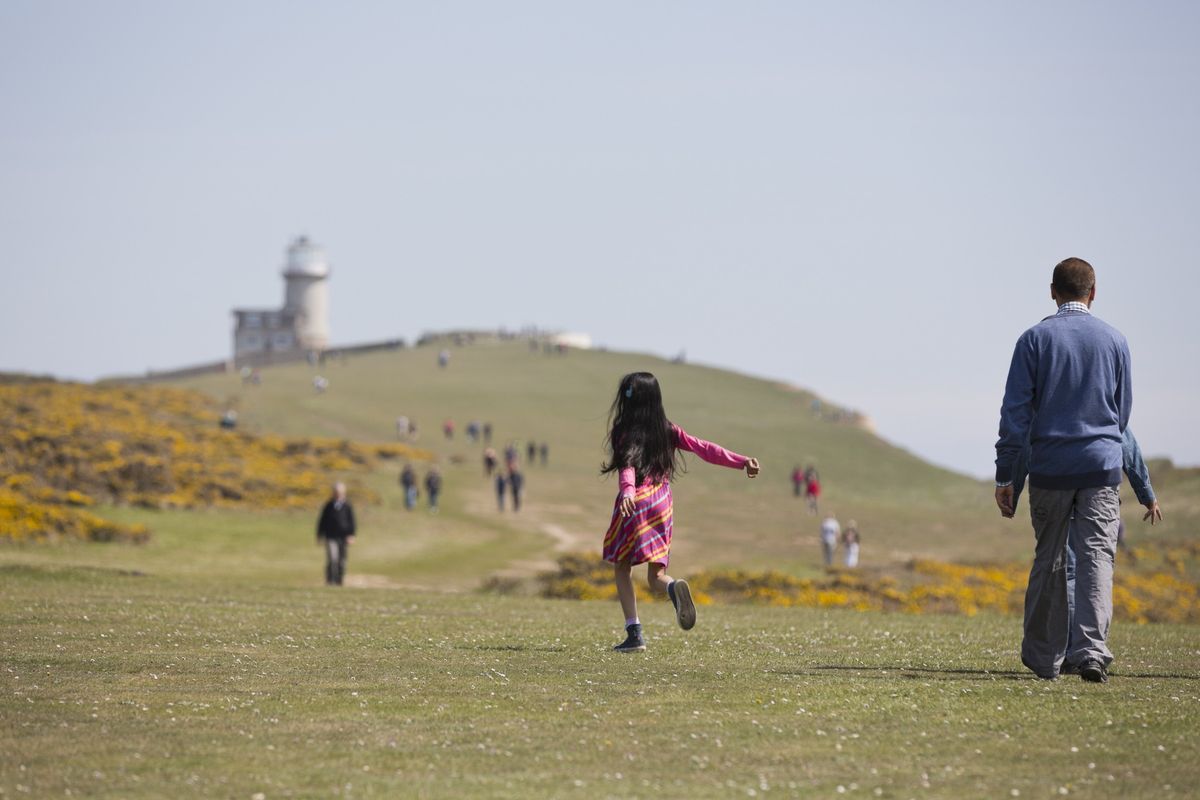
x=685, y=608
x=634, y=643
x=1093, y=671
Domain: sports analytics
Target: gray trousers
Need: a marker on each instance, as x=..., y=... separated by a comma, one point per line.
x=335, y=561
x=1096, y=517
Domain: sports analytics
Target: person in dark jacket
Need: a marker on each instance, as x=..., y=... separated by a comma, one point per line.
x=433, y=488
x=516, y=484
x=408, y=480
x=335, y=529
x=501, y=489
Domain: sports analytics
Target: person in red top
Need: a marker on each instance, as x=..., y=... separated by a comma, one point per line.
x=798, y=481
x=812, y=492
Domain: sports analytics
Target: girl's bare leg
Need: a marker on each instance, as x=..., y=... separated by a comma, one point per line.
x=624, y=581
x=685, y=607
x=657, y=577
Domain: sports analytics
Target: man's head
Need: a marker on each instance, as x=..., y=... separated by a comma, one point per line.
x=339, y=491
x=1074, y=280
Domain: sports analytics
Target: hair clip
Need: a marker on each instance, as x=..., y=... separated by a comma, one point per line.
x=629, y=391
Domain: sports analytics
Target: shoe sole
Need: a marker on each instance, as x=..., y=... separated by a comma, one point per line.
x=640, y=648
x=1093, y=675
x=685, y=610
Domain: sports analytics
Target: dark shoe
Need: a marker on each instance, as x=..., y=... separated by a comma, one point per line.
x=1069, y=669
x=1093, y=671
x=685, y=608
x=634, y=643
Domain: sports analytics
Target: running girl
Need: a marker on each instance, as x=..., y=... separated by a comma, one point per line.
x=642, y=444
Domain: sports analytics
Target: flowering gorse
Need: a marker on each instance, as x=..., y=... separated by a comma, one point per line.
x=921, y=586
x=65, y=447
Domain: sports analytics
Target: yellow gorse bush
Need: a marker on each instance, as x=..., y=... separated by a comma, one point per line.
x=65, y=446
x=928, y=587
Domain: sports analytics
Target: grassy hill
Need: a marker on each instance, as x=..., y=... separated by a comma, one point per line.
x=210, y=661
x=904, y=506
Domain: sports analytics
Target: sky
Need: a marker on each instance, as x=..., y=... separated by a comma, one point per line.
x=863, y=199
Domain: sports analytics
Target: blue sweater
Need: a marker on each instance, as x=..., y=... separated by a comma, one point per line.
x=1068, y=395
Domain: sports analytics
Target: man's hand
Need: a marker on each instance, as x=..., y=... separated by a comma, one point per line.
x=752, y=468
x=1004, y=499
x=349, y=540
x=627, y=506
x=1153, y=512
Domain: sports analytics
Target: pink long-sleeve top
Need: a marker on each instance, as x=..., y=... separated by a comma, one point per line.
x=712, y=453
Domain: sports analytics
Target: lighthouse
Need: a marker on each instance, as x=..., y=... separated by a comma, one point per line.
x=306, y=295
x=302, y=325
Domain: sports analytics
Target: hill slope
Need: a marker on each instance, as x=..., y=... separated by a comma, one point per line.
x=903, y=505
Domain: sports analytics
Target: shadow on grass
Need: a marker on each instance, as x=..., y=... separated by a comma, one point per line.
x=514, y=648
x=952, y=673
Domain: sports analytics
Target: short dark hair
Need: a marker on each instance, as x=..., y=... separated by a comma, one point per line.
x=1073, y=279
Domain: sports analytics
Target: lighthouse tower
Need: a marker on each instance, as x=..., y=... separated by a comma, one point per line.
x=265, y=336
x=306, y=294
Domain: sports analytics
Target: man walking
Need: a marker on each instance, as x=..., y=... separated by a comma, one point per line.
x=335, y=529
x=830, y=531
x=1069, y=395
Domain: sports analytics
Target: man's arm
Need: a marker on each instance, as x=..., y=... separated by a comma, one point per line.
x=350, y=514
x=1020, y=471
x=1124, y=386
x=1016, y=418
x=1139, y=476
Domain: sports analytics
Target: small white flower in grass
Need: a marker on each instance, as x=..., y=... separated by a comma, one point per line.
x=1015, y=792
x=258, y=796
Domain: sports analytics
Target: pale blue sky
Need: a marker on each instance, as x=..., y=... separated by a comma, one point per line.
x=861, y=198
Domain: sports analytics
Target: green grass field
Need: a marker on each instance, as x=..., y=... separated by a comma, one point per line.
x=188, y=684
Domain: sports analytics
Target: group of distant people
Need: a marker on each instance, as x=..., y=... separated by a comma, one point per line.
x=806, y=483
x=476, y=431
x=412, y=494
x=406, y=429
x=509, y=479
x=832, y=534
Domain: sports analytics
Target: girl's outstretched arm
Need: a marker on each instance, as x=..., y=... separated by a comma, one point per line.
x=714, y=453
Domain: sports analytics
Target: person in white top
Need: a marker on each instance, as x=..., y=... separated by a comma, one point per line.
x=850, y=541
x=830, y=530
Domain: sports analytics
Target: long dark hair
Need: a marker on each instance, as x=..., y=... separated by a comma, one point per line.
x=639, y=433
